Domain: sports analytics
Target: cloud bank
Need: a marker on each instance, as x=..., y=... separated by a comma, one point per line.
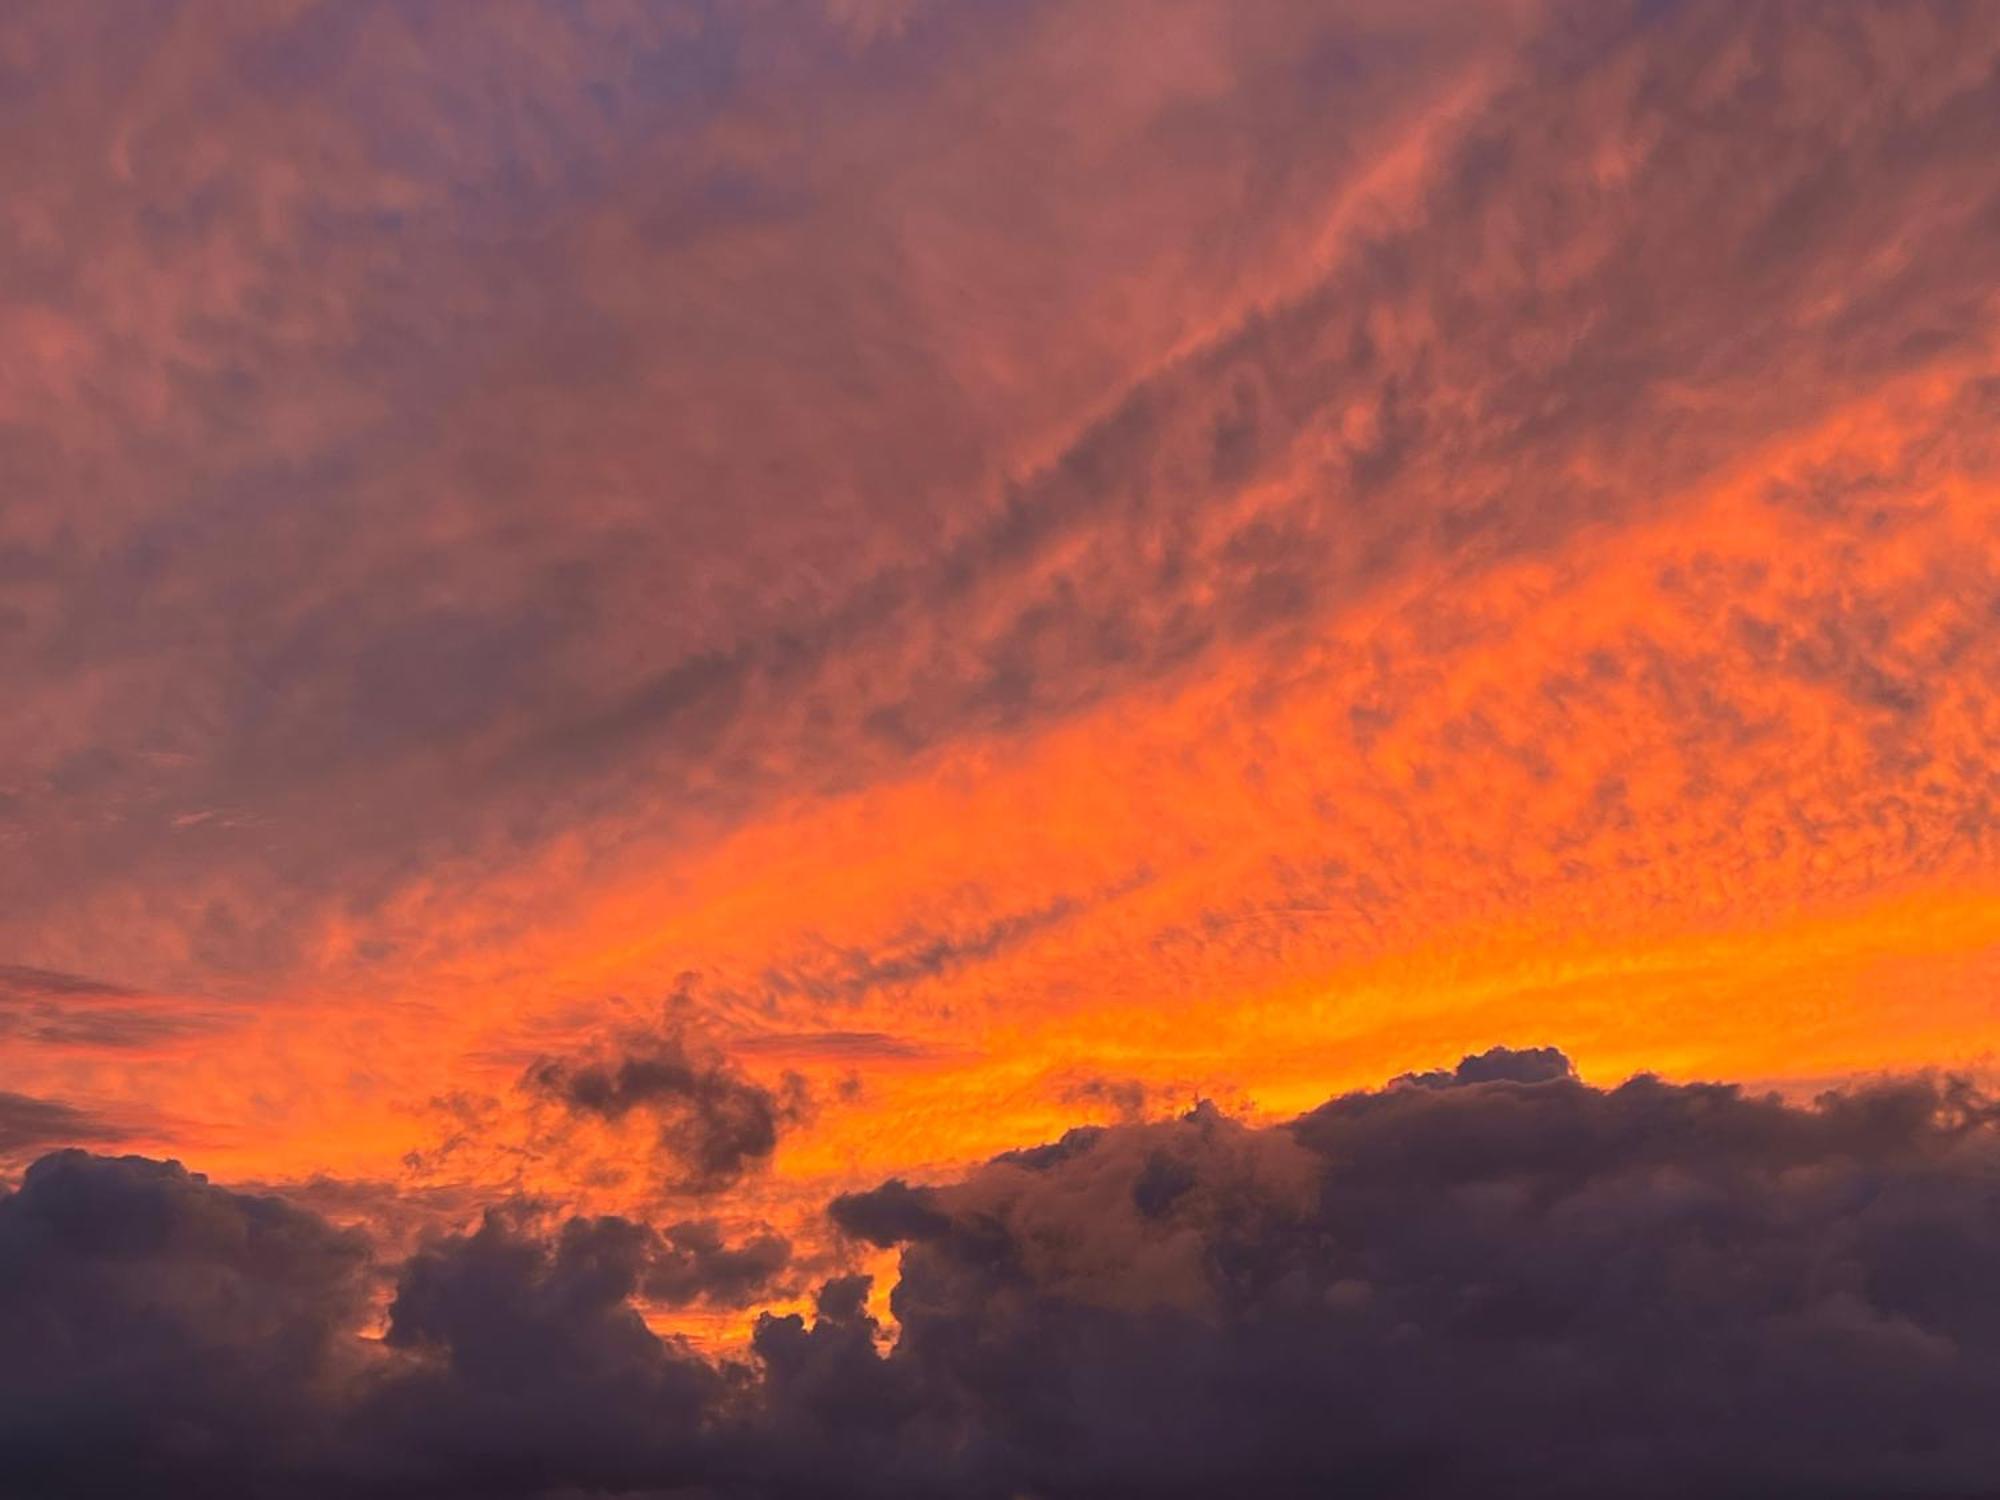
x=1495, y=1279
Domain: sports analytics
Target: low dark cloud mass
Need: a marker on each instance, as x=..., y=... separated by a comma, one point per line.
x=1496, y=1280
x=532, y=1372
x=715, y=1124
x=160, y=1335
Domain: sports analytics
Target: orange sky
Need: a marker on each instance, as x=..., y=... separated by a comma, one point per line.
x=1004, y=575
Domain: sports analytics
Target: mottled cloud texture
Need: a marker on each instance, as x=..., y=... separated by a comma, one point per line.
x=1493, y=1280
x=622, y=621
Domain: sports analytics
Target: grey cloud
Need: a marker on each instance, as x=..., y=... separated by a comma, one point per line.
x=28, y=1124
x=1498, y=1065
x=891, y=1214
x=715, y=1124
x=158, y=1330
x=694, y=1263
x=1495, y=1280
x=1510, y=1283
x=531, y=1371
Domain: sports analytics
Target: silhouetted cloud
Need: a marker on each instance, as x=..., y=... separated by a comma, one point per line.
x=714, y=1123
x=890, y=1214
x=1500, y=1065
x=1513, y=1283
x=531, y=1371
x=694, y=1263
x=1491, y=1280
x=158, y=1333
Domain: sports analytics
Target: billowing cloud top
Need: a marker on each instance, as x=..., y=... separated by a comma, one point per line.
x=1507, y=1283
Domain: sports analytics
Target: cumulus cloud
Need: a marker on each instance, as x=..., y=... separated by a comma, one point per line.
x=531, y=1370
x=1513, y=1282
x=1496, y=1280
x=157, y=1329
x=714, y=1123
x=1498, y=1065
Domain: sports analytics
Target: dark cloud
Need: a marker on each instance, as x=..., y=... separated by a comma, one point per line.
x=162, y=1335
x=1516, y=1284
x=891, y=1214
x=31, y=1124
x=693, y=1263
x=1497, y=1065
x=154, y=1328
x=1073, y=1143
x=1488, y=1280
x=832, y=1404
x=715, y=1124
x=531, y=1370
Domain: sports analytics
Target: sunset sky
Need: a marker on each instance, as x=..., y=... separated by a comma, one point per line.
x=671, y=612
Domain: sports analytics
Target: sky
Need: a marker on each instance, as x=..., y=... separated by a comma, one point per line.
x=815, y=727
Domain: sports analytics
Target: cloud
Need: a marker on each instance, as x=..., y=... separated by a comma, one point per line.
x=1507, y=1282
x=917, y=956
x=1499, y=1065
x=30, y=1124
x=559, y=254
x=531, y=1370
x=21, y=979
x=686, y=420
x=714, y=1124
x=835, y=1046
x=56, y=1009
x=891, y=1214
x=693, y=1263
x=159, y=1330
x=1516, y=1283
x=1414, y=481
